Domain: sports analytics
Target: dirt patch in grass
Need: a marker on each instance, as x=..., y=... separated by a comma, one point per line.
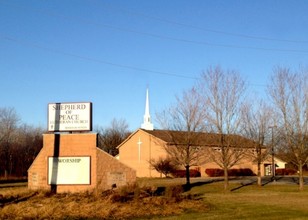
x=126, y=203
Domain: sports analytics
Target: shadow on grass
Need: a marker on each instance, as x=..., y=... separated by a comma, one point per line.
x=15, y=200
x=251, y=182
x=187, y=187
x=271, y=180
x=243, y=184
x=243, y=181
x=161, y=190
x=283, y=179
x=295, y=179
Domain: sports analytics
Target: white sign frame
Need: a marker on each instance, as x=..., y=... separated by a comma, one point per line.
x=69, y=170
x=70, y=116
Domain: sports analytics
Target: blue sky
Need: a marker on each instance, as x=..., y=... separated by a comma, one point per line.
x=109, y=52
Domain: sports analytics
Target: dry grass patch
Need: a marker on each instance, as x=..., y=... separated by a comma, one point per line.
x=128, y=202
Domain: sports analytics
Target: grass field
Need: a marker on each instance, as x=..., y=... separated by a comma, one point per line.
x=271, y=201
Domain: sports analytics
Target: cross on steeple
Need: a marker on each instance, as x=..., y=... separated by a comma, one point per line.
x=147, y=125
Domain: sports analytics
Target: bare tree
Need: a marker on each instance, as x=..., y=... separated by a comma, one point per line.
x=256, y=120
x=223, y=93
x=113, y=135
x=163, y=165
x=8, y=126
x=186, y=117
x=29, y=142
x=19, y=144
x=289, y=92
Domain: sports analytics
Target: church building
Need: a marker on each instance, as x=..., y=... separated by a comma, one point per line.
x=147, y=143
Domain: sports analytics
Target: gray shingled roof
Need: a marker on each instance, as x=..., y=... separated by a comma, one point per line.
x=200, y=138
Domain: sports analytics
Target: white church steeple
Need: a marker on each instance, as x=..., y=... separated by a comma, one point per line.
x=147, y=125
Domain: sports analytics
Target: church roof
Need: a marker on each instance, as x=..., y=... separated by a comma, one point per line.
x=200, y=138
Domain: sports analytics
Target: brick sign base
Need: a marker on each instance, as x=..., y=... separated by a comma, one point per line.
x=73, y=163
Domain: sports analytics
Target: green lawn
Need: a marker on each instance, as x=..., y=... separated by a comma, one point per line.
x=272, y=201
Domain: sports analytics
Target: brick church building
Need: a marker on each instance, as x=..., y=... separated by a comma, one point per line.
x=147, y=143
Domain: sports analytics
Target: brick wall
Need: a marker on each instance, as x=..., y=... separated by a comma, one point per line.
x=111, y=172
x=76, y=145
x=138, y=156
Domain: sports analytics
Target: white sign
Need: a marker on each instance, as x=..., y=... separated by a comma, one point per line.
x=69, y=170
x=70, y=116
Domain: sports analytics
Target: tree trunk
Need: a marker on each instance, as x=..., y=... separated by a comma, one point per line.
x=300, y=177
x=187, y=175
x=259, y=175
x=226, y=179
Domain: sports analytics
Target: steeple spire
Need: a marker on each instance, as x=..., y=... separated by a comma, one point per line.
x=147, y=125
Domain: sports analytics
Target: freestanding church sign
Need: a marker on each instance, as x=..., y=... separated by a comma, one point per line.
x=70, y=116
x=72, y=162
